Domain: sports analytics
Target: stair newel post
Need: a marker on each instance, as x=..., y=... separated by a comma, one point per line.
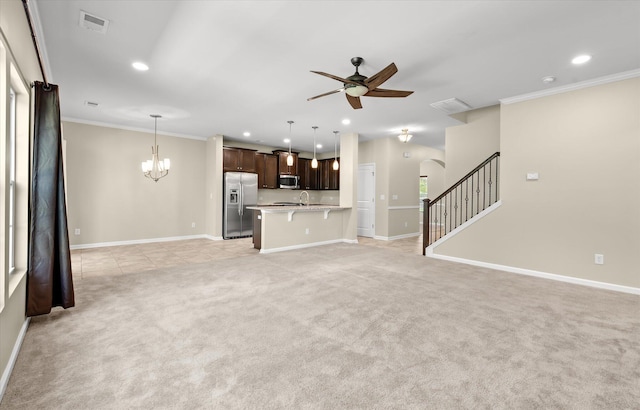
x=425, y=225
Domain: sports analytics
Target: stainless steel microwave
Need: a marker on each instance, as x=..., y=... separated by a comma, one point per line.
x=289, y=181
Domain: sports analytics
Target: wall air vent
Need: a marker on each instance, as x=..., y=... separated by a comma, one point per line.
x=451, y=106
x=93, y=23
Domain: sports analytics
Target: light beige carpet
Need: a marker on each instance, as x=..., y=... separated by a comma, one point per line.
x=333, y=327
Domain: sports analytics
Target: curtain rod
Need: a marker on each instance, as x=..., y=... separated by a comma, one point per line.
x=35, y=42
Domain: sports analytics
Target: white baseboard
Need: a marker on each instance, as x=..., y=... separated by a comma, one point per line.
x=530, y=272
x=4, y=381
x=391, y=238
x=214, y=238
x=306, y=245
x=141, y=241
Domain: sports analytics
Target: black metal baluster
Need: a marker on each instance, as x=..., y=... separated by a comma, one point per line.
x=466, y=200
x=490, y=181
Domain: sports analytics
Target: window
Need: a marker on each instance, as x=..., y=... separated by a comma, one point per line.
x=12, y=181
x=423, y=192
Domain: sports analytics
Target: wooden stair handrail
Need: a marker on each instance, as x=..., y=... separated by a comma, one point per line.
x=464, y=178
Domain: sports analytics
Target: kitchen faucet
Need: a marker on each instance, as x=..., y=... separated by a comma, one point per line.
x=304, y=192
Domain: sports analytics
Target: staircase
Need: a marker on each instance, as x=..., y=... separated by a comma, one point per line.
x=472, y=194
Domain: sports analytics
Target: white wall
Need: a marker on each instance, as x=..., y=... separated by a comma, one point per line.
x=585, y=145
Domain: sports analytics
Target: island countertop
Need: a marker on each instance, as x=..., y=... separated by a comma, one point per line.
x=287, y=207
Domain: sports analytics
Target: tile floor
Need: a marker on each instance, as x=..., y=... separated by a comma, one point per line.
x=118, y=260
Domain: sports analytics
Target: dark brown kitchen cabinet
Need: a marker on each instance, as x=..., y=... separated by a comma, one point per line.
x=238, y=159
x=283, y=168
x=329, y=178
x=267, y=170
x=309, y=177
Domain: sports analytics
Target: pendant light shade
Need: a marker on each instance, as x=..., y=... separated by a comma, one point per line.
x=314, y=161
x=336, y=164
x=290, y=157
x=154, y=168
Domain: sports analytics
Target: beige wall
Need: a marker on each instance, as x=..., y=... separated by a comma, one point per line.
x=467, y=145
x=111, y=201
x=397, y=184
x=434, y=170
x=585, y=145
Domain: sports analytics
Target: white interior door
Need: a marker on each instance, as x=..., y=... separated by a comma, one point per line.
x=366, y=199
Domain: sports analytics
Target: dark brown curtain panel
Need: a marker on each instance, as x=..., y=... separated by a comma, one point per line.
x=49, y=280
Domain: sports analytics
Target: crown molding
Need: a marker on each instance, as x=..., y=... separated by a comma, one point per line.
x=625, y=75
x=121, y=127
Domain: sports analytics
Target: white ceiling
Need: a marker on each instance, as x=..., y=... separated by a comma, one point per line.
x=226, y=67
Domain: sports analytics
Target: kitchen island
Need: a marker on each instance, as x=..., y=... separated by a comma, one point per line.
x=286, y=226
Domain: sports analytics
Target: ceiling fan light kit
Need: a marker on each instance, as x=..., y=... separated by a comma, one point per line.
x=357, y=85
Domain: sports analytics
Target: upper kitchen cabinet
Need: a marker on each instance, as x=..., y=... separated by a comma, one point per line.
x=283, y=168
x=238, y=159
x=329, y=178
x=309, y=177
x=267, y=169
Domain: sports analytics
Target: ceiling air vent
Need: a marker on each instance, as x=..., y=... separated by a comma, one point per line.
x=91, y=104
x=93, y=23
x=451, y=106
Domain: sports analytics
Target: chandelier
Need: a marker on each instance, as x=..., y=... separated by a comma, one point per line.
x=154, y=168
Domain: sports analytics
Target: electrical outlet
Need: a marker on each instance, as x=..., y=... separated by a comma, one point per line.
x=599, y=259
x=306, y=231
x=77, y=231
x=193, y=224
x=394, y=197
x=405, y=225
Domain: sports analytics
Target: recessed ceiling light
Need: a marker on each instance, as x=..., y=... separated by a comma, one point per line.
x=581, y=59
x=318, y=146
x=548, y=79
x=346, y=121
x=247, y=134
x=140, y=66
x=286, y=140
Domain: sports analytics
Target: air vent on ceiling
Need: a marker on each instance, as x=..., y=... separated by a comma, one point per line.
x=451, y=106
x=93, y=23
x=91, y=104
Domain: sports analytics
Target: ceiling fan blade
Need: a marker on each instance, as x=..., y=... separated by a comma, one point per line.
x=329, y=93
x=377, y=79
x=354, y=101
x=379, y=92
x=335, y=77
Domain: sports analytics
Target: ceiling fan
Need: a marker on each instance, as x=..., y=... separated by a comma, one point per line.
x=357, y=85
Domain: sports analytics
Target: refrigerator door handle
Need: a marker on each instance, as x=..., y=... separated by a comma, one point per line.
x=241, y=205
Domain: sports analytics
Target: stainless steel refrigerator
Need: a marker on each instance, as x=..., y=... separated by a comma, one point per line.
x=240, y=191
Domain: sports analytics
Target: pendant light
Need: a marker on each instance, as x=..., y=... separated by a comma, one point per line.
x=154, y=168
x=314, y=161
x=290, y=157
x=336, y=165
